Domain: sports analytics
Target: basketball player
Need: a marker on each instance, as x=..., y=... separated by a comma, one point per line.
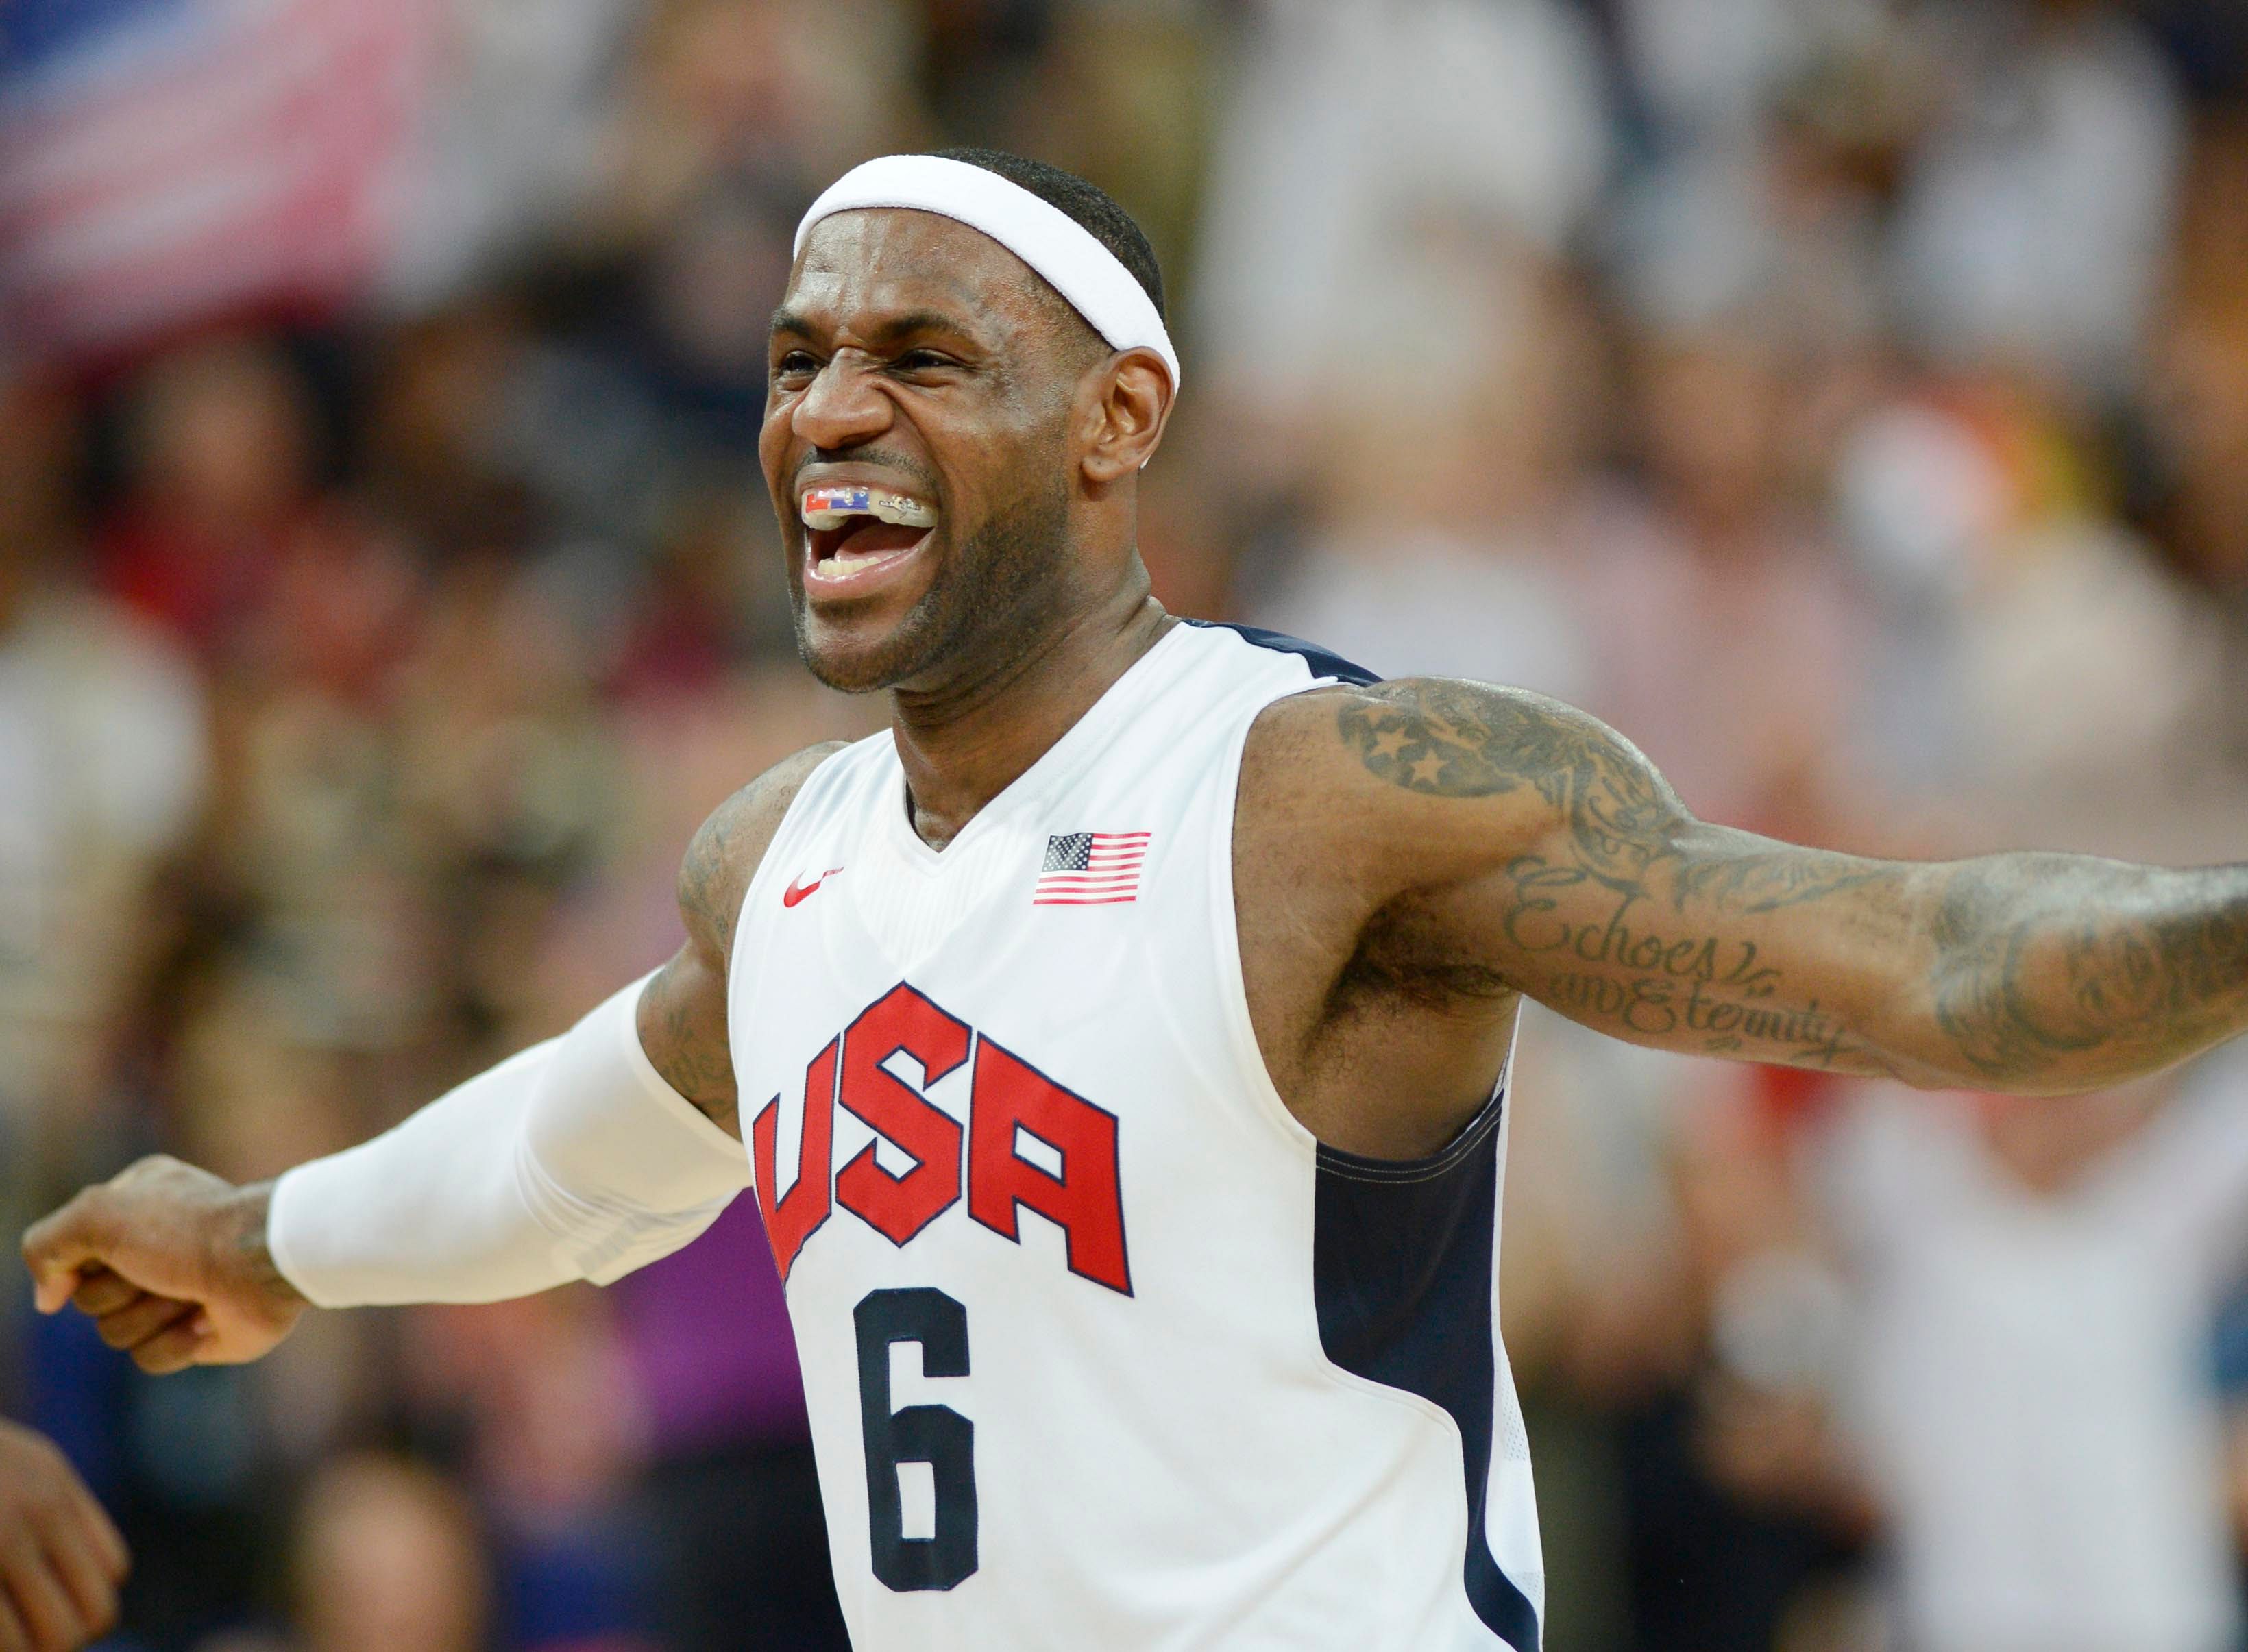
x=1119, y=1043
x=60, y=1559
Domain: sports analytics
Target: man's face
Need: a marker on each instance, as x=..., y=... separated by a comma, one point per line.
x=917, y=358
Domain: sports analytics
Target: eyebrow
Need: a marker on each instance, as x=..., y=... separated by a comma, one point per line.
x=789, y=324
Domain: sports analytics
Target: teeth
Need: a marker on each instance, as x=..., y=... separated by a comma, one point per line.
x=845, y=562
x=831, y=506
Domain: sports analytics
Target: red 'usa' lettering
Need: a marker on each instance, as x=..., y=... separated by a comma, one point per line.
x=1006, y=1095
x=789, y=1221
x=1085, y=1200
x=900, y=1206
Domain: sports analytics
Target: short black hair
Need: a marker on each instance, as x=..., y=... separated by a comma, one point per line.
x=1088, y=204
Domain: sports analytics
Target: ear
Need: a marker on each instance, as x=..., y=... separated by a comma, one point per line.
x=1131, y=402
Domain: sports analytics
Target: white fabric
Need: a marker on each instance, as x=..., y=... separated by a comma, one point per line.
x=103, y=769
x=2032, y=1382
x=572, y=1160
x=1385, y=161
x=1180, y=1465
x=1422, y=604
x=1062, y=250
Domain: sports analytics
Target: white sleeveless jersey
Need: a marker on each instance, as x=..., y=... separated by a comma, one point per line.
x=1102, y=1349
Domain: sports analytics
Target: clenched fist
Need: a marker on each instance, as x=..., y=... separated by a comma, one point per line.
x=60, y=1559
x=171, y=1265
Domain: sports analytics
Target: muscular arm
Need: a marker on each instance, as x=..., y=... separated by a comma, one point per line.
x=1583, y=883
x=683, y=1014
x=567, y=1161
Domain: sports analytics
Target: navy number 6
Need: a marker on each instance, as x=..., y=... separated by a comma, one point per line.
x=936, y=1435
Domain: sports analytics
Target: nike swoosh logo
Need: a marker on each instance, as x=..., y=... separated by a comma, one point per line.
x=796, y=892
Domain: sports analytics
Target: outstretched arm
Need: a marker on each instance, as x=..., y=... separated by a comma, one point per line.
x=1593, y=891
x=582, y=1157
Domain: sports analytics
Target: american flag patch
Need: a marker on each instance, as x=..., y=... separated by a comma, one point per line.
x=1091, y=869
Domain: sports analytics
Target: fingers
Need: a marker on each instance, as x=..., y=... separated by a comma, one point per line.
x=104, y=1545
x=175, y=1348
x=101, y=1292
x=140, y=1322
x=61, y=1560
x=58, y=1247
x=134, y=1324
x=81, y=1565
x=161, y=1333
x=50, y=1617
x=51, y=1597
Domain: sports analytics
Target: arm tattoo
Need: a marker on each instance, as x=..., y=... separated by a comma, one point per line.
x=1462, y=740
x=1457, y=739
x=2026, y=968
x=2085, y=969
x=1629, y=919
x=692, y=1054
x=682, y=1015
x=710, y=886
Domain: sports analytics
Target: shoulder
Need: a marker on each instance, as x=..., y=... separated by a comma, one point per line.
x=1439, y=775
x=1439, y=736
x=727, y=847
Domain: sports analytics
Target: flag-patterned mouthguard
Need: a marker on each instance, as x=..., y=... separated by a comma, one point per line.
x=830, y=506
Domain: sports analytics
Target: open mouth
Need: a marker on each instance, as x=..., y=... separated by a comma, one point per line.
x=854, y=533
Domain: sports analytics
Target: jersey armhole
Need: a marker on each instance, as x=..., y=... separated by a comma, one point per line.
x=822, y=770
x=1226, y=934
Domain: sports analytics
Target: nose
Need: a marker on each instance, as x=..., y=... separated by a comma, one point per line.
x=843, y=406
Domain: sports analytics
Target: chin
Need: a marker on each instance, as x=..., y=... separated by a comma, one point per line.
x=845, y=673
x=846, y=659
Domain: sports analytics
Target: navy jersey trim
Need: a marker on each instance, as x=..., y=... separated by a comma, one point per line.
x=1322, y=663
x=1401, y=1256
x=1335, y=1161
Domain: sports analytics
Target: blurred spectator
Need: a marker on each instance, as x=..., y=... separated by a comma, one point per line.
x=731, y=1499
x=1444, y=507
x=506, y=150
x=387, y=1557
x=2029, y=1380
x=785, y=92
x=2036, y=221
x=103, y=769
x=1372, y=157
x=2070, y=668
x=1774, y=133
x=219, y=489
x=1714, y=582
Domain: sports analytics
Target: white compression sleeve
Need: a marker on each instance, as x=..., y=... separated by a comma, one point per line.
x=571, y=1160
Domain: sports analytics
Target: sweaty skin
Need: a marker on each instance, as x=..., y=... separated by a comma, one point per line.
x=1410, y=860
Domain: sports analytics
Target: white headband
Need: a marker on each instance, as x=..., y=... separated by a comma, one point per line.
x=1097, y=286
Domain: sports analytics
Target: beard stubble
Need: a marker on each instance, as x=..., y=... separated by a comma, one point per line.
x=1001, y=588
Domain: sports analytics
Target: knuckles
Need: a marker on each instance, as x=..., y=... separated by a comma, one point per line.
x=156, y=1167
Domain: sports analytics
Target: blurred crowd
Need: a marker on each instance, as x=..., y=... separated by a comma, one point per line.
x=1847, y=399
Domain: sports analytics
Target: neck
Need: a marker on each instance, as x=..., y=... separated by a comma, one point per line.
x=964, y=744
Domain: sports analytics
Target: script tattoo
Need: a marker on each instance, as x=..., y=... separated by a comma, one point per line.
x=1465, y=740
x=2032, y=969
x=1656, y=959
